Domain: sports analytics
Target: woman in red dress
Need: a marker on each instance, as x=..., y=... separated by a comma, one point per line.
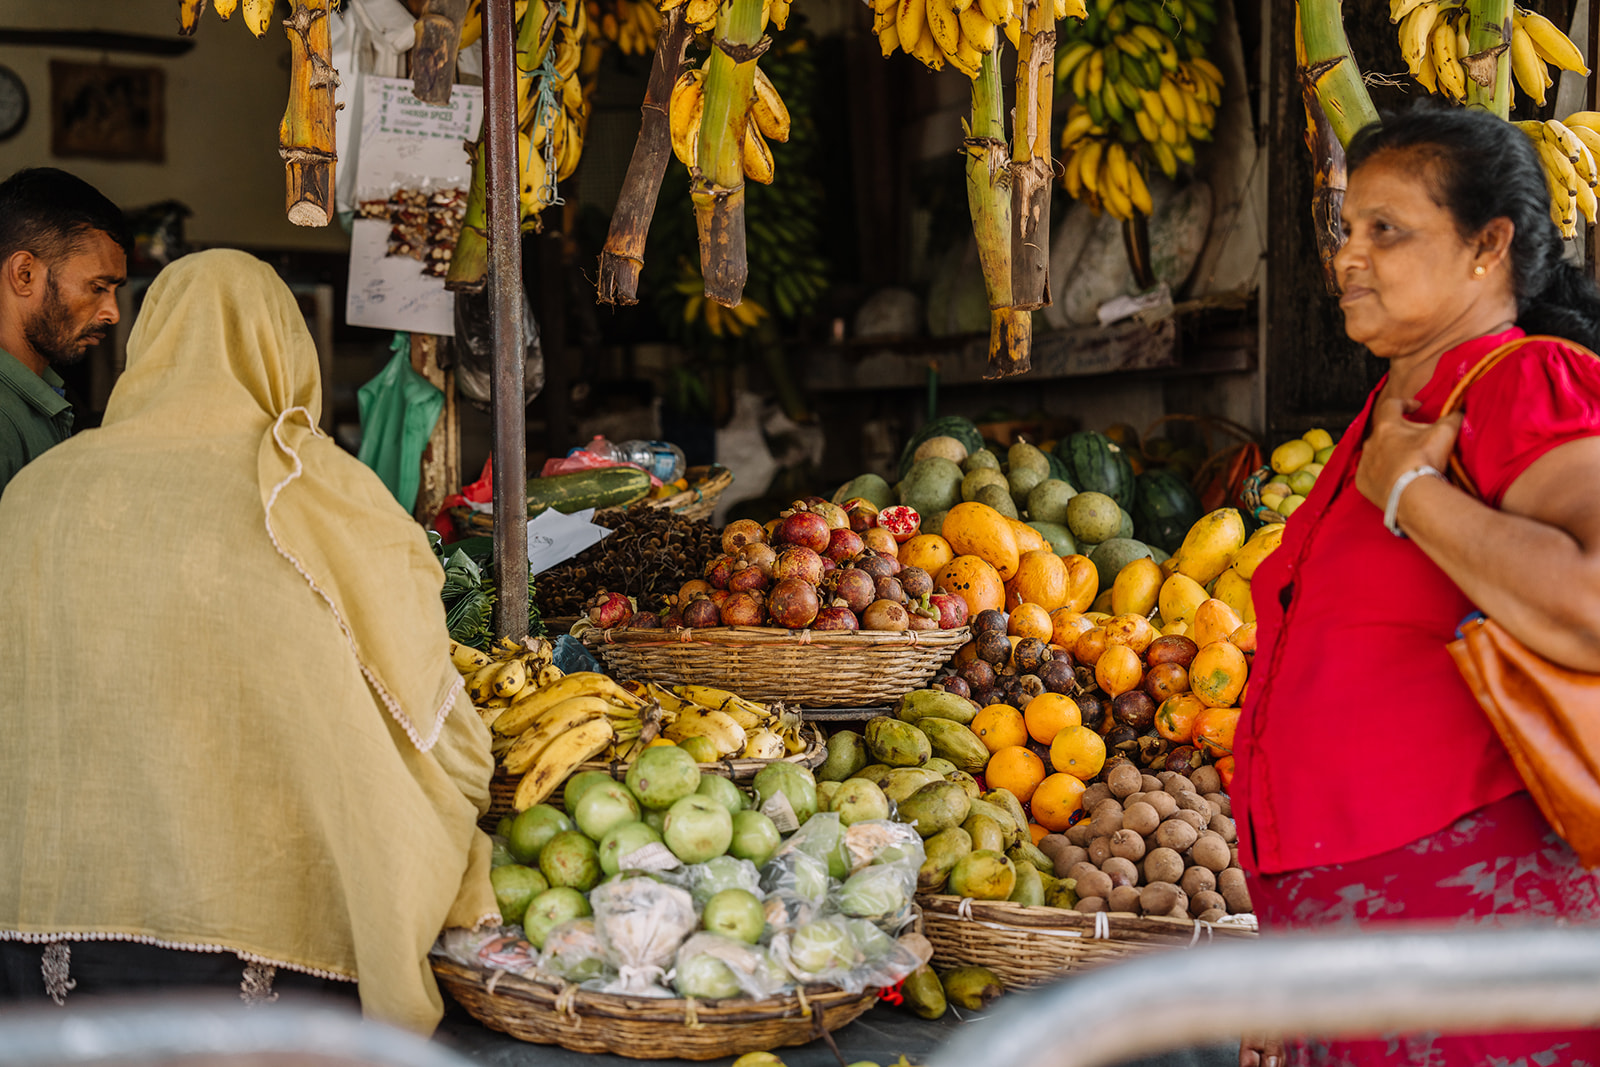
x=1370, y=788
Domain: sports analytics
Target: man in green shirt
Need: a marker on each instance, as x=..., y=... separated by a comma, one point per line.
x=62, y=257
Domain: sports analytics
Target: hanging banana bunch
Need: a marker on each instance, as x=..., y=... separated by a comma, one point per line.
x=256, y=14
x=1444, y=42
x=472, y=25
x=1567, y=150
x=957, y=32
x=552, y=119
x=632, y=25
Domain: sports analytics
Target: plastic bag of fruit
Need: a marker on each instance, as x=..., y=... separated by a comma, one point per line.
x=641, y=923
x=713, y=967
x=573, y=951
x=852, y=954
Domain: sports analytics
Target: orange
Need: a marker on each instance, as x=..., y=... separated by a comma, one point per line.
x=1041, y=579
x=1214, y=730
x=1037, y=832
x=928, y=551
x=1078, y=751
x=1030, y=620
x=999, y=726
x=1069, y=626
x=1083, y=582
x=1016, y=769
x=1048, y=714
x=974, y=581
x=1119, y=670
x=1056, y=800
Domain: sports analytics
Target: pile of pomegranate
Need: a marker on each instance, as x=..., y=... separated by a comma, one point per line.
x=818, y=566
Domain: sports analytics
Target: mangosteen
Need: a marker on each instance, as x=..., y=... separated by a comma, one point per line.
x=1123, y=739
x=1029, y=685
x=891, y=589
x=1057, y=674
x=979, y=674
x=1134, y=708
x=985, y=696
x=873, y=564
x=1152, y=746
x=954, y=684
x=991, y=620
x=1093, y=708
x=994, y=648
x=645, y=620
x=1031, y=654
x=917, y=582
x=701, y=613
x=1183, y=759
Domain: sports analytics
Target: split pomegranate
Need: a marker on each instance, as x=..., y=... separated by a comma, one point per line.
x=882, y=541
x=885, y=615
x=701, y=613
x=952, y=609
x=743, y=609
x=863, y=514
x=900, y=521
x=844, y=544
x=793, y=603
x=797, y=561
x=762, y=555
x=741, y=532
x=836, y=616
x=805, y=528
x=606, y=610
x=747, y=578
x=855, y=587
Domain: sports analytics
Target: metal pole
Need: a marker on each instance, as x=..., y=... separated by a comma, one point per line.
x=1528, y=978
x=505, y=321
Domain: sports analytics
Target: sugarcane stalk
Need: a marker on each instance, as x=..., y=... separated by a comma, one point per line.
x=1488, y=60
x=1331, y=69
x=989, y=201
x=1032, y=173
x=433, y=58
x=1328, y=172
x=623, y=256
x=717, y=187
x=305, y=137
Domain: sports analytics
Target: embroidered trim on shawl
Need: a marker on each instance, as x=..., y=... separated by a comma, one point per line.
x=55, y=967
x=389, y=702
x=255, y=987
x=181, y=946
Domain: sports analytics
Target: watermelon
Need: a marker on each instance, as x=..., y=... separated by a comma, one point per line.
x=603, y=487
x=961, y=429
x=1098, y=464
x=1058, y=469
x=1165, y=506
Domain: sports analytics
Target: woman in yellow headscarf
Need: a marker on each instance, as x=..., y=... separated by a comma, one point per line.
x=230, y=733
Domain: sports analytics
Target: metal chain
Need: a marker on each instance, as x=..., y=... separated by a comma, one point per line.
x=550, y=98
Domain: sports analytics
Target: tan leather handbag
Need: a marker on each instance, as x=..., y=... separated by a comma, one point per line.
x=1548, y=716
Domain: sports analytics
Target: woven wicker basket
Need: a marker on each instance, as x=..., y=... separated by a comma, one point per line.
x=646, y=1028
x=503, y=786
x=1251, y=497
x=698, y=501
x=1033, y=946
x=804, y=668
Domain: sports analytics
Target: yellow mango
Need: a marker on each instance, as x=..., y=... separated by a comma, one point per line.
x=1179, y=597
x=1137, y=588
x=1292, y=455
x=1209, y=546
x=1265, y=542
x=1175, y=629
x=1234, y=591
x=1318, y=439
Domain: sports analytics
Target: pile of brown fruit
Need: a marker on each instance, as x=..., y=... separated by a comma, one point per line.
x=1162, y=844
x=1007, y=670
x=649, y=554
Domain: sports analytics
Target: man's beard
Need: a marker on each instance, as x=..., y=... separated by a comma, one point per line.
x=51, y=332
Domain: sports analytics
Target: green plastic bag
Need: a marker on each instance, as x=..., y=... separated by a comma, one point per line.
x=399, y=408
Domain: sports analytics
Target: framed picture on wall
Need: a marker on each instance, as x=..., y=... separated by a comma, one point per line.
x=101, y=111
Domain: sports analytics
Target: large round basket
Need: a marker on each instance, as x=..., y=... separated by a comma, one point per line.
x=503, y=786
x=646, y=1028
x=1033, y=946
x=698, y=501
x=805, y=668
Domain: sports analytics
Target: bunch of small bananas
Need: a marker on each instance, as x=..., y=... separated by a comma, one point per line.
x=1144, y=92
x=632, y=25
x=545, y=734
x=702, y=14
x=767, y=119
x=1567, y=149
x=734, y=725
x=557, y=120
x=958, y=32
x=472, y=25
x=257, y=14
x=1433, y=41
x=509, y=670
x=720, y=321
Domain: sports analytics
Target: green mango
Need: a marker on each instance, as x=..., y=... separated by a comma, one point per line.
x=968, y=784
x=905, y=781
x=954, y=742
x=1029, y=890
x=971, y=988
x=1007, y=800
x=983, y=874
x=1025, y=854
x=898, y=744
x=985, y=832
x=847, y=754
x=935, y=703
x=876, y=773
x=942, y=850
x=923, y=992
x=935, y=808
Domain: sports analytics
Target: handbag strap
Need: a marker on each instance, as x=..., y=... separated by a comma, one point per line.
x=1458, y=394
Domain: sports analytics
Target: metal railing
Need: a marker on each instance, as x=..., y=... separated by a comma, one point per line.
x=1522, y=979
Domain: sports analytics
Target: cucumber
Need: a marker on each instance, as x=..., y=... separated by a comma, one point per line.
x=608, y=487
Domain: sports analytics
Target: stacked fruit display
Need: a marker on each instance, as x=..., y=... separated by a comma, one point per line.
x=683, y=872
x=818, y=566
x=1296, y=465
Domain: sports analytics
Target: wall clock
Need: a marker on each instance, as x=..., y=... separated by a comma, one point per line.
x=13, y=103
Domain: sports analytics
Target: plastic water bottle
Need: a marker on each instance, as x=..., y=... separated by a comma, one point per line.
x=663, y=459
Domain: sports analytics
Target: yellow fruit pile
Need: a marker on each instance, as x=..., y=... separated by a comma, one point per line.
x=1296, y=465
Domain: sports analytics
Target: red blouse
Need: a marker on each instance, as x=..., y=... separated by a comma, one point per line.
x=1358, y=736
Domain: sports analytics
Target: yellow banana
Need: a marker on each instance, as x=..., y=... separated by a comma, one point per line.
x=1589, y=120
x=1165, y=159
x=718, y=727
x=466, y=658
x=189, y=12
x=889, y=39
x=757, y=157
x=979, y=31
x=967, y=59
x=747, y=713
x=225, y=8
x=1115, y=200
x=1552, y=45
x=559, y=759
x=780, y=13
x=701, y=12
x=560, y=719
x=480, y=685
x=1589, y=138
x=1078, y=123
x=998, y=12
x=1149, y=130
x=1452, y=79
x=1116, y=165
x=1563, y=138
x=769, y=111
x=1415, y=31
x=1586, y=202
x=1089, y=165
x=1171, y=98
x=1154, y=109
x=911, y=16
x=1071, y=177
x=524, y=712
x=943, y=24
x=1526, y=65
x=1139, y=192
x=927, y=50
x=764, y=744
x=1398, y=9
x=257, y=13
x=510, y=679
x=683, y=115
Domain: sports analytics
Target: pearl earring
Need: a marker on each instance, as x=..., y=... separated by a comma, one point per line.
x=1478, y=270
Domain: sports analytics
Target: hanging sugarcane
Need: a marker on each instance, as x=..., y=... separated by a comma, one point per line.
x=623, y=256
x=1328, y=171
x=1487, y=63
x=305, y=137
x=717, y=188
x=988, y=173
x=433, y=57
x=1331, y=70
x=1032, y=169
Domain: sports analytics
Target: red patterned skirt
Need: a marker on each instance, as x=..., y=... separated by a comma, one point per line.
x=1498, y=866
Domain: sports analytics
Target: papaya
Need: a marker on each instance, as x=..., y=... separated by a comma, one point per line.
x=974, y=581
x=955, y=742
x=1218, y=674
x=1262, y=544
x=1136, y=588
x=1083, y=581
x=935, y=703
x=1179, y=597
x=975, y=529
x=1209, y=546
x=1028, y=539
x=1214, y=620
x=1234, y=591
x=1041, y=578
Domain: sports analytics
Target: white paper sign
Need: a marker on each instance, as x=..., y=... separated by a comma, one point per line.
x=390, y=292
x=652, y=857
x=554, y=538
x=781, y=812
